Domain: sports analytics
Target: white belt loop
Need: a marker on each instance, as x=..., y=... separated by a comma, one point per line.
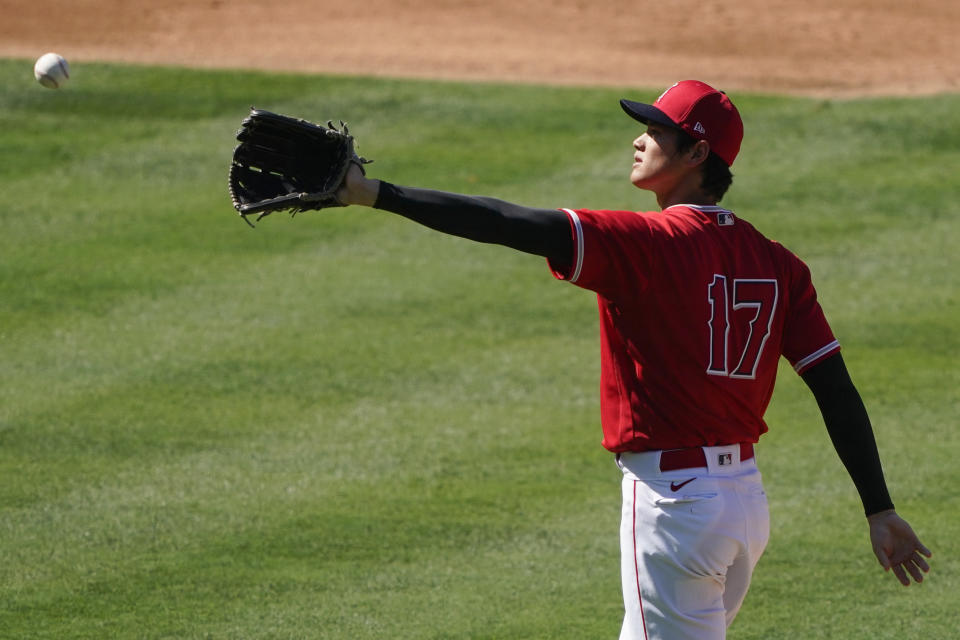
x=722, y=461
x=640, y=464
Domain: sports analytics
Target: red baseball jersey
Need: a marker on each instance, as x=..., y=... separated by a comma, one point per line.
x=696, y=308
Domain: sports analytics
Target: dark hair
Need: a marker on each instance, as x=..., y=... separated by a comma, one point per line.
x=716, y=174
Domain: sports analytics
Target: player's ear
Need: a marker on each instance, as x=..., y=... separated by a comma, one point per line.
x=699, y=152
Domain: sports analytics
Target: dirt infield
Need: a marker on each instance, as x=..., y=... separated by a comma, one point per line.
x=817, y=47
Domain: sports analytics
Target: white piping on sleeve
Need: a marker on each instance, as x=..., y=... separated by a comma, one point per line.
x=578, y=247
x=815, y=355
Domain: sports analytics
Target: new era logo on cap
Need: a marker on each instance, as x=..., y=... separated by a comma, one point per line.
x=700, y=110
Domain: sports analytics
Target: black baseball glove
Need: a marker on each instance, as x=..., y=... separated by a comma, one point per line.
x=288, y=164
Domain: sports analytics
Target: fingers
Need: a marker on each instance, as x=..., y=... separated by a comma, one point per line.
x=914, y=571
x=913, y=567
x=901, y=576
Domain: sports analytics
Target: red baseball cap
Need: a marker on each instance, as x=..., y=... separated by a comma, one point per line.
x=697, y=108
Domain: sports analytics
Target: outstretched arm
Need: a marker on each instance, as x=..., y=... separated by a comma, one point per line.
x=895, y=544
x=543, y=232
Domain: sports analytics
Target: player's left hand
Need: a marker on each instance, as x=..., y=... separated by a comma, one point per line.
x=897, y=547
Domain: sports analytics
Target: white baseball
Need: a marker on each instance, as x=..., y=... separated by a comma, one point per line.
x=51, y=70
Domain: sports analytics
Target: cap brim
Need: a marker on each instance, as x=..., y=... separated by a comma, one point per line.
x=647, y=113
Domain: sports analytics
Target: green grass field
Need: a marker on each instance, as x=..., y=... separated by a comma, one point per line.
x=347, y=426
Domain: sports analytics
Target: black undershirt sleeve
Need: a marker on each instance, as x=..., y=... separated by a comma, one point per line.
x=850, y=431
x=543, y=232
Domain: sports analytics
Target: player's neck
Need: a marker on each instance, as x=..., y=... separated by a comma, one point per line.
x=694, y=195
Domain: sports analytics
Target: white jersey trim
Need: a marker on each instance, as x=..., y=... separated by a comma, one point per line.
x=578, y=247
x=819, y=353
x=706, y=208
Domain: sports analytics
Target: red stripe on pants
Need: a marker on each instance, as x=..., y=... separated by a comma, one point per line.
x=636, y=563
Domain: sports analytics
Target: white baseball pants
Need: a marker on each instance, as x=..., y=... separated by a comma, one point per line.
x=689, y=540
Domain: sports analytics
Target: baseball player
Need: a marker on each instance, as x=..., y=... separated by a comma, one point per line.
x=696, y=309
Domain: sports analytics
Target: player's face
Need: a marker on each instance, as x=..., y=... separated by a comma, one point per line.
x=656, y=164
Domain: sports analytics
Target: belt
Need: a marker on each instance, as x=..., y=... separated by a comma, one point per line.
x=674, y=459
